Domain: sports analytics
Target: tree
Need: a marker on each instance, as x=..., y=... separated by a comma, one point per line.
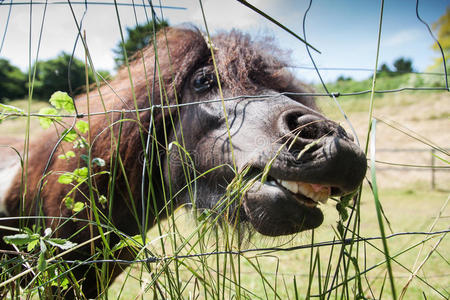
x=53, y=75
x=137, y=38
x=442, y=26
x=344, y=78
x=385, y=70
x=403, y=65
x=12, y=82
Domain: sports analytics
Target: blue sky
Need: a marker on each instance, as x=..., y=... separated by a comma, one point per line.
x=344, y=31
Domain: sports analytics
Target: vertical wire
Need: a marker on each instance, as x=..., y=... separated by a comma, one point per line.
x=436, y=41
x=6, y=25
x=73, y=55
x=332, y=95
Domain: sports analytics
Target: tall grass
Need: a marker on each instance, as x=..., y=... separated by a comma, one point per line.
x=194, y=254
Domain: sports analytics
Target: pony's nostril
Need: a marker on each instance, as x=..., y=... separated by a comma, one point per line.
x=308, y=131
x=305, y=126
x=292, y=123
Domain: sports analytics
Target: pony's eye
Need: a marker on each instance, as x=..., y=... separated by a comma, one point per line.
x=203, y=81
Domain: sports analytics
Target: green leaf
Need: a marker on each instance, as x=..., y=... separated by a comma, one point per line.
x=134, y=241
x=68, y=201
x=78, y=206
x=80, y=143
x=61, y=284
x=32, y=245
x=342, y=209
x=42, y=245
x=340, y=228
x=61, y=100
x=98, y=161
x=102, y=200
x=85, y=158
x=204, y=215
x=69, y=135
x=66, y=178
x=42, y=264
x=81, y=174
x=70, y=154
x=440, y=158
x=10, y=108
x=67, y=155
x=61, y=243
x=46, y=122
x=20, y=239
x=82, y=126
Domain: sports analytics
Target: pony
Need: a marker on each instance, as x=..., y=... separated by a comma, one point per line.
x=178, y=126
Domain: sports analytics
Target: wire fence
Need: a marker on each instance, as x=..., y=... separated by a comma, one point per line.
x=314, y=67
x=433, y=167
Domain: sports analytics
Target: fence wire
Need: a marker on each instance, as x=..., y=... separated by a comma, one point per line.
x=261, y=251
x=242, y=97
x=268, y=97
x=333, y=94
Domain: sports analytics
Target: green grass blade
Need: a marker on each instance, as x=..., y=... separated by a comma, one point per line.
x=378, y=207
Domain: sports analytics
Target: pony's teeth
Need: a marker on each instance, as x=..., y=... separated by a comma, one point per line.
x=290, y=185
x=316, y=192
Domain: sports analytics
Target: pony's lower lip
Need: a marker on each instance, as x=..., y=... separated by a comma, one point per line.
x=273, y=210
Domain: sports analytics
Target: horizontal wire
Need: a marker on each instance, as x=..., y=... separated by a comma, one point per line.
x=407, y=166
x=405, y=150
x=400, y=275
x=364, y=70
x=84, y=3
x=252, y=97
x=239, y=252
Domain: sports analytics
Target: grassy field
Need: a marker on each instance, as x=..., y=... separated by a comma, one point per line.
x=405, y=121
x=271, y=275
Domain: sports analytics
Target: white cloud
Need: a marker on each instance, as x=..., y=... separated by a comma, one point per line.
x=102, y=30
x=400, y=38
x=341, y=43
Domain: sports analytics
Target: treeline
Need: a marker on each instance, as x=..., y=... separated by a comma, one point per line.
x=66, y=73
x=62, y=73
x=401, y=66
x=400, y=75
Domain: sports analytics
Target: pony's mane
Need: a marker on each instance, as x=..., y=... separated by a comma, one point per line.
x=244, y=65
